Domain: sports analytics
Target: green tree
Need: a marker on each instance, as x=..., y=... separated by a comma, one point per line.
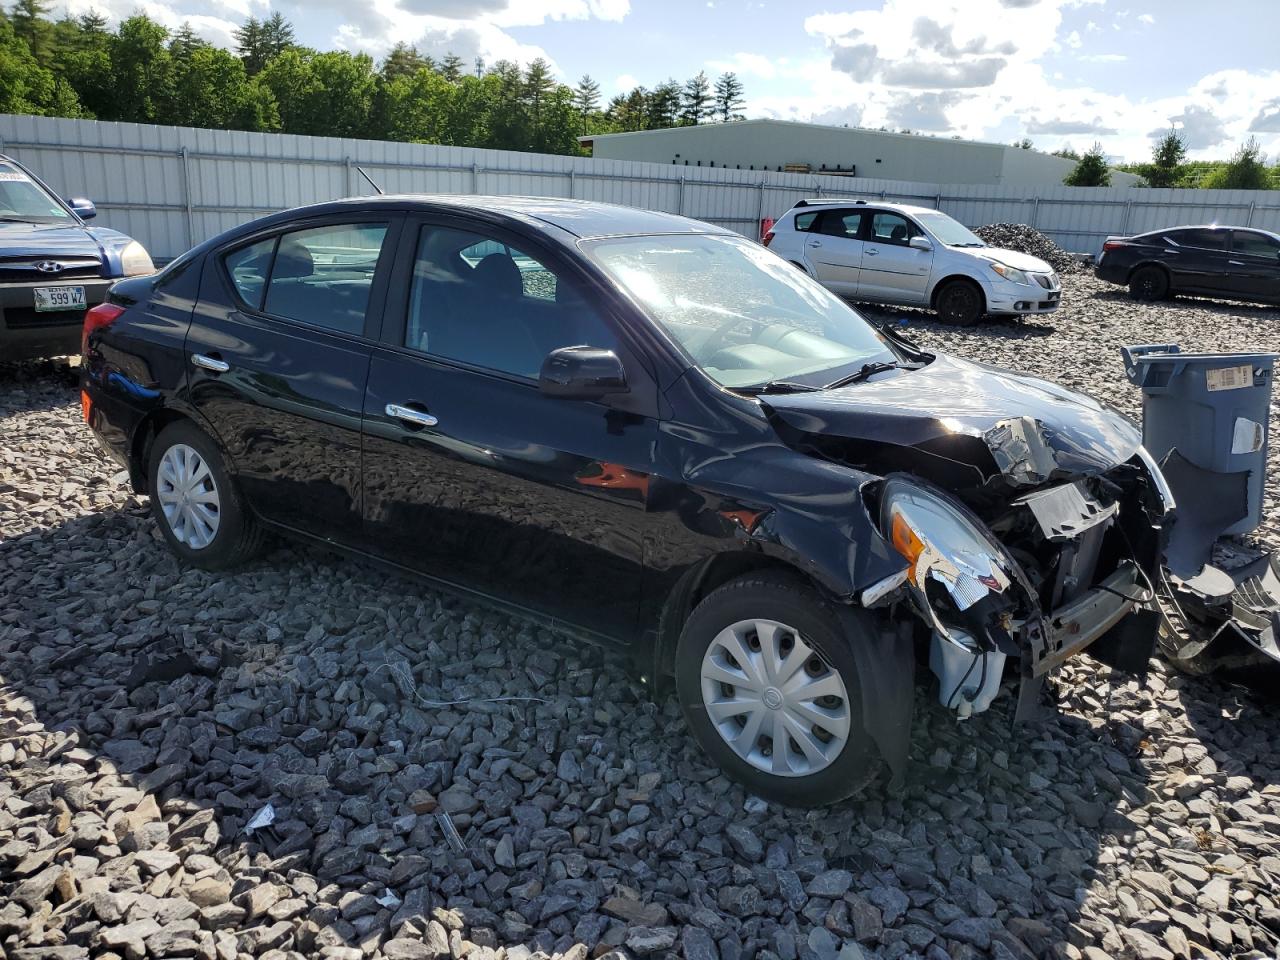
x=538, y=85
x=142, y=71
x=1167, y=158
x=28, y=87
x=251, y=45
x=1024, y=144
x=729, y=95
x=403, y=61
x=696, y=100
x=30, y=19
x=1067, y=152
x=1246, y=171
x=276, y=35
x=586, y=98
x=1091, y=170
x=663, y=106
x=451, y=67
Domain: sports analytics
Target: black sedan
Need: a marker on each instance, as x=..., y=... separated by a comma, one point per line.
x=53, y=267
x=1212, y=261
x=643, y=429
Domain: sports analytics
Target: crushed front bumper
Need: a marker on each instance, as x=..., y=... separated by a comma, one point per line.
x=1077, y=624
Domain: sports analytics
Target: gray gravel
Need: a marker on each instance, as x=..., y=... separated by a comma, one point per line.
x=147, y=712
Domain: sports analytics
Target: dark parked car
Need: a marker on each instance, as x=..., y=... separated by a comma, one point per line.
x=52, y=266
x=645, y=429
x=1211, y=261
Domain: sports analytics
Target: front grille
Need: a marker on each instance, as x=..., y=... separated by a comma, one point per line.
x=24, y=269
x=23, y=318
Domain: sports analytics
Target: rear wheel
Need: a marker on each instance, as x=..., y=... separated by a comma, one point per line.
x=195, y=501
x=769, y=687
x=1149, y=283
x=960, y=303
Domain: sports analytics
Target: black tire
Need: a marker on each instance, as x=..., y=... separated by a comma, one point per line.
x=960, y=303
x=787, y=600
x=238, y=535
x=1149, y=283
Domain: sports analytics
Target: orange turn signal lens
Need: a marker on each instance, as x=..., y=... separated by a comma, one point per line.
x=906, y=542
x=86, y=405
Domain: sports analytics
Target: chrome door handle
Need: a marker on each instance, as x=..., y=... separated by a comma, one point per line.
x=871, y=251
x=409, y=415
x=814, y=243
x=209, y=363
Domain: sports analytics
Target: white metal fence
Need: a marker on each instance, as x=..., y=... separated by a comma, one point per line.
x=171, y=187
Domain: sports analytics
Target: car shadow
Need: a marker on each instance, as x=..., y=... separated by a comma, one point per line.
x=334, y=693
x=32, y=385
x=1231, y=308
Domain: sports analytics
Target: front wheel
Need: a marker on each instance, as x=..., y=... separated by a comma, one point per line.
x=960, y=303
x=195, y=501
x=769, y=687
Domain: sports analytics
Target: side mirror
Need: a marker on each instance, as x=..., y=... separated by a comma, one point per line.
x=84, y=209
x=582, y=373
x=920, y=243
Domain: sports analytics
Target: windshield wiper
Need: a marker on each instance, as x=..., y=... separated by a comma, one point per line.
x=870, y=370
x=780, y=386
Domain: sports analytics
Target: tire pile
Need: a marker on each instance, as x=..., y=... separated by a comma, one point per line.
x=1029, y=240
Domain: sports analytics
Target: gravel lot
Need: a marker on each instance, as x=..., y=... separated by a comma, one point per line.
x=147, y=712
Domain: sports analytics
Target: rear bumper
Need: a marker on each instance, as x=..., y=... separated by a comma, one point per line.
x=26, y=334
x=1111, y=273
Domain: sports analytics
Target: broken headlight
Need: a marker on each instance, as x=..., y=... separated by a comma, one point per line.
x=957, y=570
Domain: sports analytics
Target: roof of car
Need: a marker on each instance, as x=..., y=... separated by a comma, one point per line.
x=822, y=202
x=581, y=218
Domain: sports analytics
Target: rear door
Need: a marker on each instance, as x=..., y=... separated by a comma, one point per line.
x=833, y=249
x=278, y=356
x=893, y=270
x=1255, y=262
x=1203, y=261
x=475, y=476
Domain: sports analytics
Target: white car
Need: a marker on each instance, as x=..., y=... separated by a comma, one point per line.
x=912, y=256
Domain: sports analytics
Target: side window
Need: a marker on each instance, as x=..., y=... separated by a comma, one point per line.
x=842, y=223
x=804, y=221
x=1205, y=239
x=486, y=303
x=1255, y=244
x=248, y=268
x=323, y=276
x=892, y=228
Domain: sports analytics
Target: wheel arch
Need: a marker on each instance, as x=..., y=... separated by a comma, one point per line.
x=1164, y=268
x=951, y=278
x=145, y=433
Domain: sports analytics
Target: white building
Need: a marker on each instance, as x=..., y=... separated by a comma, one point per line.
x=813, y=148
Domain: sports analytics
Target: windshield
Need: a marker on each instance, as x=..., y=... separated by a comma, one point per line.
x=21, y=198
x=953, y=233
x=745, y=316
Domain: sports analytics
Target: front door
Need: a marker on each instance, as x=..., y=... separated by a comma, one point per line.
x=1203, y=261
x=278, y=355
x=1255, y=263
x=471, y=473
x=834, y=250
x=892, y=269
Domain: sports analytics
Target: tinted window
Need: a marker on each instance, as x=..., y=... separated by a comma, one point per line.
x=842, y=223
x=322, y=276
x=1255, y=244
x=23, y=199
x=249, y=267
x=484, y=302
x=804, y=221
x=1205, y=239
x=892, y=228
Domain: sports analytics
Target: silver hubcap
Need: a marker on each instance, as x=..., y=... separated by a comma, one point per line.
x=188, y=496
x=773, y=699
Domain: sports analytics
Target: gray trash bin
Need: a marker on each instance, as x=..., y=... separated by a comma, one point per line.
x=1213, y=407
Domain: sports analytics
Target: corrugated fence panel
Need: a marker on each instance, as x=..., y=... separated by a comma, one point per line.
x=173, y=186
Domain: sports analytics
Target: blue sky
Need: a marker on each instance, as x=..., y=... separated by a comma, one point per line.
x=1058, y=71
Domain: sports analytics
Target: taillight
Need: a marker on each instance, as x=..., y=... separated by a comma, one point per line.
x=768, y=238
x=1113, y=245
x=103, y=315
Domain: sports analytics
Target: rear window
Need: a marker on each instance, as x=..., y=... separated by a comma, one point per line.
x=1203, y=238
x=805, y=221
x=842, y=223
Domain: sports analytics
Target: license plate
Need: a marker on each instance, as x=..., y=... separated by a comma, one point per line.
x=59, y=298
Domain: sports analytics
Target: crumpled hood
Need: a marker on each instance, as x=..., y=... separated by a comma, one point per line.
x=1011, y=258
x=1021, y=428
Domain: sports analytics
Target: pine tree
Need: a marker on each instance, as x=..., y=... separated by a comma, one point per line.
x=277, y=36
x=586, y=98
x=403, y=61
x=663, y=106
x=184, y=42
x=1167, y=158
x=249, y=39
x=729, y=97
x=30, y=23
x=451, y=67
x=696, y=99
x=1091, y=170
x=1024, y=144
x=538, y=85
x=1246, y=171
x=93, y=22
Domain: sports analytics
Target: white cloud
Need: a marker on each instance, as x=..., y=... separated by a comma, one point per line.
x=213, y=21
x=1147, y=18
x=1073, y=39
x=1102, y=57
x=747, y=65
